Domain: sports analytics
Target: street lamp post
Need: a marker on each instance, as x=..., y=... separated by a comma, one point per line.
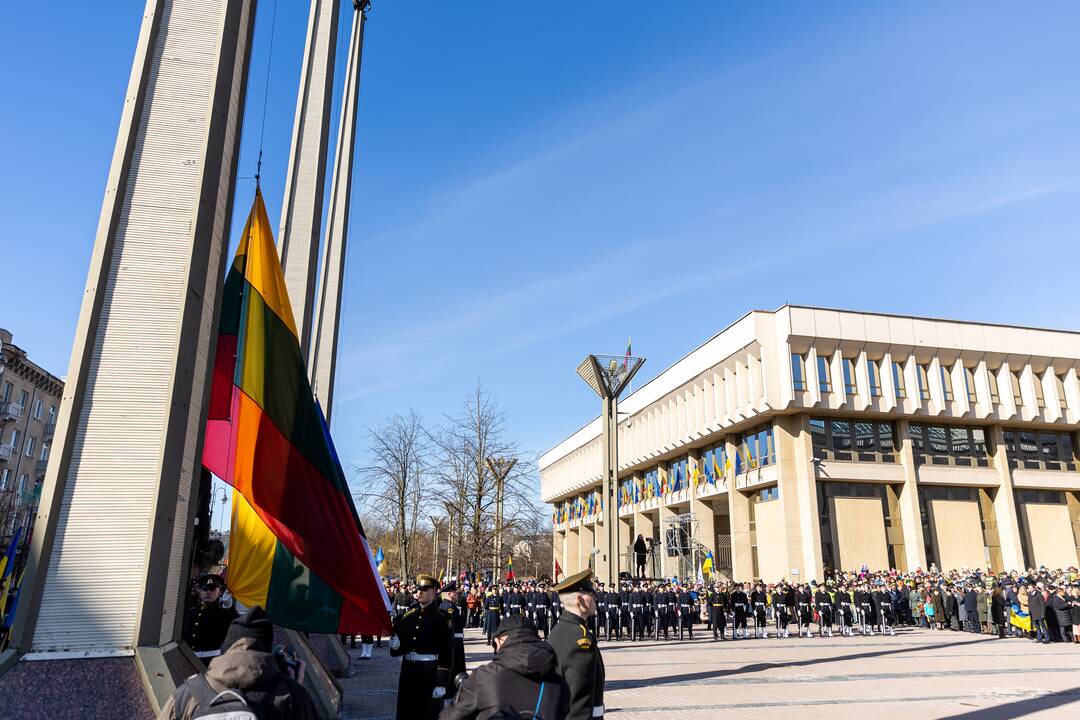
x=500, y=468
x=609, y=375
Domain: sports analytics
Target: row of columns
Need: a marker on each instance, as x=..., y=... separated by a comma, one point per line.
x=798, y=498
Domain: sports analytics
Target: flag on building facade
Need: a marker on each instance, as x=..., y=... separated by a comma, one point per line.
x=717, y=474
x=558, y=569
x=297, y=547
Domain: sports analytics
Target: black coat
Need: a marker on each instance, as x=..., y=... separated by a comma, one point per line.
x=1061, y=609
x=1036, y=606
x=997, y=609
x=512, y=683
x=578, y=660
x=640, y=549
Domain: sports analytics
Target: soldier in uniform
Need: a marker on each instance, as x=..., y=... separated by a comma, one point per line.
x=208, y=615
x=577, y=655
x=556, y=607
x=758, y=602
x=824, y=606
x=614, y=611
x=450, y=606
x=686, y=613
x=739, y=605
x=780, y=612
x=514, y=601
x=403, y=600
x=805, y=599
x=716, y=602
x=637, y=612
x=542, y=609
x=493, y=613
x=424, y=638
x=844, y=606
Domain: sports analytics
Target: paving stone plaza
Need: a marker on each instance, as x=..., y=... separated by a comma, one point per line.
x=915, y=674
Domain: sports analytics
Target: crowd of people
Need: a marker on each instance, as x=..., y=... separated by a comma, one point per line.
x=1040, y=604
x=545, y=635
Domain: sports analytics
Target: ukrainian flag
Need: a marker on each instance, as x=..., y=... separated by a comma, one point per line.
x=1021, y=620
x=707, y=566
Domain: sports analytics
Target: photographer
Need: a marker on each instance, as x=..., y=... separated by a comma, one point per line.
x=248, y=676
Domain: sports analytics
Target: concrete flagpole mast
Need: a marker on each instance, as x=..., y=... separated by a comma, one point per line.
x=609, y=375
x=138, y=378
x=302, y=204
x=323, y=361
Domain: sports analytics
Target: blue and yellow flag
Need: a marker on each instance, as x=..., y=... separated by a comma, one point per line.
x=1020, y=619
x=707, y=566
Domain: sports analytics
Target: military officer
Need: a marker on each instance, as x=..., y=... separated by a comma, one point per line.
x=717, y=607
x=424, y=638
x=208, y=616
x=542, y=609
x=577, y=655
x=758, y=602
x=739, y=606
x=493, y=613
x=824, y=606
x=449, y=606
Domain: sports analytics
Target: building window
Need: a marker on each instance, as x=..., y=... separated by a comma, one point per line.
x=24, y=400
x=991, y=378
x=1059, y=385
x=950, y=445
x=898, y=380
x=44, y=452
x=1040, y=449
x=824, y=381
x=756, y=448
x=838, y=439
x=52, y=413
x=8, y=387
x=969, y=384
x=22, y=484
x=1014, y=380
x=924, y=384
x=875, y=378
x=798, y=377
x=4, y=477
x=30, y=446
x=767, y=494
x=946, y=384
x=37, y=409
x=849, y=376
x=15, y=437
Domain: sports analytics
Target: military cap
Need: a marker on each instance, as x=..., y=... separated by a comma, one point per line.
x=207, y=582
x=450, y=586
x=579, y=582
x=426, y=582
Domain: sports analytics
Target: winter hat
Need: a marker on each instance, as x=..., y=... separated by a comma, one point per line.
x=254, y=624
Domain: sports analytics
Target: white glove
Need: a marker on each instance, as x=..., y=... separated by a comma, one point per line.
x=438, y=693
x=395, y=644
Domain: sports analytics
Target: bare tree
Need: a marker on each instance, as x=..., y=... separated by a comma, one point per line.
x=396, y=479
x=466, y=485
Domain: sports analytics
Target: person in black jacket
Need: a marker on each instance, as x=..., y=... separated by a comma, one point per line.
x=1062, y=613
x=523, y=678
x=424, y=638
x=640, y=552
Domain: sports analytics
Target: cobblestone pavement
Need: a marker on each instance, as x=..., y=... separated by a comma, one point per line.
x=916, y=674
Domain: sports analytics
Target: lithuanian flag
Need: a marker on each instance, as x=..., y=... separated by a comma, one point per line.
x=297, y=547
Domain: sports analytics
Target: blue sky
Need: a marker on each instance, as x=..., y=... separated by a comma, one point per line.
x=537, y=182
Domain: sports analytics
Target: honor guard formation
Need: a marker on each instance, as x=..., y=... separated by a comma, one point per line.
x=566, y=673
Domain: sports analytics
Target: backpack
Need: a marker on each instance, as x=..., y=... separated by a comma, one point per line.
x=230, y=704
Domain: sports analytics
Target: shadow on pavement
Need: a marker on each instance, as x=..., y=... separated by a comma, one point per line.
x=1020, y=708
x=762, y=666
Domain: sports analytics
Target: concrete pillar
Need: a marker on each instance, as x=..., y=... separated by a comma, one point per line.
x=571, y=552
x=586, y=543
x=668, y=565
x=149, y=317
x=705, y=523
x=305, y=180
x=558, y=550
x=910, y=514
x=742, y=557
x=797, y=483
x=1012, y=551
x=626, y=542
x=323, y=362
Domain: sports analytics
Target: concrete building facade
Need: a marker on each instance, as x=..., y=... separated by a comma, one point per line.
x=806, y=439
x=29, y=401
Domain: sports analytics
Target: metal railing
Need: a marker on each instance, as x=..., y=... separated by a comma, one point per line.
x=10, y=411
x=39, y=469
x=48, y=431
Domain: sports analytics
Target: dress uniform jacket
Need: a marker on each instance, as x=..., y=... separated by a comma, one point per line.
x=205, y=626
x=426, y=635
x=579, y=661
x=457, y=626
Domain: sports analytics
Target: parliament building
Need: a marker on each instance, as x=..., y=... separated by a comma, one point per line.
x=804, y=440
